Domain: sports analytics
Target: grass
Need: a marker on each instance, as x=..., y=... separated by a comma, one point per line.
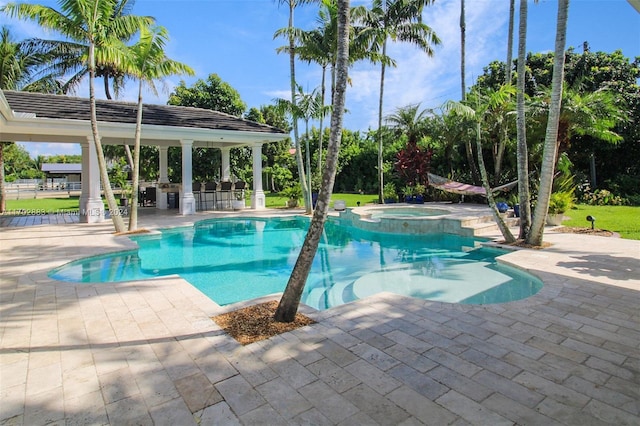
x=625, y=220
x=276, y=201
x=43, y=205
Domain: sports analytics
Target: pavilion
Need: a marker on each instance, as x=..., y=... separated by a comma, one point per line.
x=37, y=117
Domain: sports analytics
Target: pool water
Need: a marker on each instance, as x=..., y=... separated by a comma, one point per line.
x=236, y=259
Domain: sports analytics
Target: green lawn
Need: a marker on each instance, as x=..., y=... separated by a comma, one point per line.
x=624, y=220
x=275, y=200
x=43, y=205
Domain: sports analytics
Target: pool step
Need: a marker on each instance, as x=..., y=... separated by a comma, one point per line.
x=487, y=225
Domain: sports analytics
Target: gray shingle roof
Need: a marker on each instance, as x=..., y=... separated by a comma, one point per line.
x=67, y=107
x=62, y=168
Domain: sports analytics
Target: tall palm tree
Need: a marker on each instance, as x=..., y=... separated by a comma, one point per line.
x=292, y=4
x=288, y=306
x=508, y=64
x=524, y=196
x=30, y=65
x=468, y=147
x=148, y=63
x=90, y=22
x=398, y=20
x=535, y=236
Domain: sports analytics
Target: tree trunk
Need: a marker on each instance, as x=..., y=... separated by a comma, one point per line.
x=507, y=67
x=118, y=222
x=290, y=301
x=380, y=143
x=524, y=197
x=296, y=136
x=322, y=91
x=135, y=184
x=463, y=37
x=551, y=136
x=504, y=229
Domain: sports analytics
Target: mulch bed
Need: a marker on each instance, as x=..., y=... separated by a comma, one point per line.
x=255, y=323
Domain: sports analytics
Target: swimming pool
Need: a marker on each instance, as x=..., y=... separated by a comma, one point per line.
x=236, y=259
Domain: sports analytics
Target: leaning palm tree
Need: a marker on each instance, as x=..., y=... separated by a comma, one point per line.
x=90, y=22
x=398, y=20
x=148, y=63
x=288, y=306
x=550, y=149
x=478, y=107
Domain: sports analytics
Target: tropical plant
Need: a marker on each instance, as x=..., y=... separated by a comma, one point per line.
x=148, y=62
x=288, y=306
x=93, y=23
x=398, y=20
x=560, y=202
x=389, y=192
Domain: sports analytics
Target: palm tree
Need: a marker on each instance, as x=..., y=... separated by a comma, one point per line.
x=90, y=22
x=292, y=4
x=468, y=148
x=30, y=65
x=398, y=20
x=288, y=306
x=524, y=196
x=148, y=63
x=550, y=149
x=483, y=105
x=508, y=64
x=306, y=107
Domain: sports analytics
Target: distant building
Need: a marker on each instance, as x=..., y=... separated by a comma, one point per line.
x=55, y=172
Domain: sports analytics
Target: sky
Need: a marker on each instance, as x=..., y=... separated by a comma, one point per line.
x=234, y=39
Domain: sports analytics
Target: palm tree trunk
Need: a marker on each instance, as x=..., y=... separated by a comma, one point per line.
x=550, y=140
x=504, y=229
x=463, y=37
x=135, y=184
x=507, y=67
x=322, y=91
x=380, y=142
x=290, y=301
x=524, y=197
x=118, y=222
x=296, y=136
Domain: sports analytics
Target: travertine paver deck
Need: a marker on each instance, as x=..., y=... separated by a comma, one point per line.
x=148, y=353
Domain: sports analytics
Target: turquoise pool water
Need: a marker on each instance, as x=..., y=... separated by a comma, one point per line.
x=237, y=259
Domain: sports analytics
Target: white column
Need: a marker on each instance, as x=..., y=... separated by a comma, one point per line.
x=163, y=177
x=257, y=195
x=226, y=164
x=187, y=202
x=91, y=207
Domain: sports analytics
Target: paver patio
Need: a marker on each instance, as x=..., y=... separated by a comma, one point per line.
x=147, y=352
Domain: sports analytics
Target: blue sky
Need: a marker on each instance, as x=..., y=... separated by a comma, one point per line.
x=234, y=39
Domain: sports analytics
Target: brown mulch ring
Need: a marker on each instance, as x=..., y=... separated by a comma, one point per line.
x=255, y=323
x=585, y=231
